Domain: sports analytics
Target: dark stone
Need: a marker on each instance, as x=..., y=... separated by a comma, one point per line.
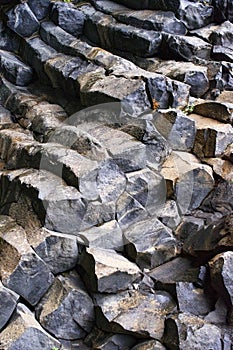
x=8, y=302
x=24, y=332
x=221, y=53
x=150, y=20
x=186, y=331
x=222, y=279
x=223, y=36
x=59, y=252
x=167, y=92
x=192, y=300
x=39, y=8
x=215, y=110
x=178, y=129
x=195, y=15
x=145, y=243
x=22, y=20
x=185, y=48
x=135, y=313
x=68, y=18
x=105, y=271
x=177, y=270
x=223, y=10
x=66, y=310
x=112, y=35
x=207, y=242
x=13, y=69
x=35, y=53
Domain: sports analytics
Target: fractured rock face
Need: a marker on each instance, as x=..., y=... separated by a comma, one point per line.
x=21, y=269
x=17, y=18
x=68, y=18
x=150, y=243
x=187, y=179
x=105, y=271
x=191, y=332
x=14, y=69
x=24, y=332
x=66, y=310
x=8, y=303
x=134, y=313
x=58, y=251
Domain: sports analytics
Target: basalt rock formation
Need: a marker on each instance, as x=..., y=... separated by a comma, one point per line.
x=116, y=176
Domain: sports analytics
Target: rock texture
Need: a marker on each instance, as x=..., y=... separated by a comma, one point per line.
x=116, y=175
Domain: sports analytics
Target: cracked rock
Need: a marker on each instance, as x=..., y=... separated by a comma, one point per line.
x=66, y=310
x=105, y=271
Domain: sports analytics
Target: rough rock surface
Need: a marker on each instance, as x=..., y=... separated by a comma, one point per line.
x=116, y=170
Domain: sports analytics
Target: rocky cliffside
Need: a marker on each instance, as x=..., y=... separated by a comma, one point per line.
x=116, y=176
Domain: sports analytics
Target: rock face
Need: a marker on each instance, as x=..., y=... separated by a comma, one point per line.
x=116, y=169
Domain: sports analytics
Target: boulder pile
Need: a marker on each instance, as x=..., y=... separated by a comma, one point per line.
x=116, y=175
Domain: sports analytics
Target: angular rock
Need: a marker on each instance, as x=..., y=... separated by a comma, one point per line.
x=174, y=271
x=222, y=279
x=219, y=314
x=170, y=215
x=212, y=136
x=149, y=243
x=220, y=199
x=222, y=36
x=128, y=153
x=184, y=48
x=106, y=236
x=51, y=198
x=66, y=310
x=64, y=71
x=220, y=53
x=8, y=303
x=14, y=69
x=18, y=16
x=96, y=89
x=166, y=92
x=215, y=110
x=129, y=211
x=188, y=180
x=151, y=20
x=21, y=269
x=223, y=10
x=104, y=31
x=191, y=332
x=97, y=213
x=105, y=271
x=208, y=241
x=58, y=251
x=134, y=313
x=110, y=181
x=177, y=128
x=35, y=53
x=24, y=332
x=68, y=18
x=39, y=8
x=195, y=15
x=80, y=141
x=189, y=225
x=148, y=188
x=5, y=116
x=62, y=41
x=192, y=300
x=222, y=168
x=192, y=74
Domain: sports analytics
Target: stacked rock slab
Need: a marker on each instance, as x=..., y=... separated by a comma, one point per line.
x=116, y=175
